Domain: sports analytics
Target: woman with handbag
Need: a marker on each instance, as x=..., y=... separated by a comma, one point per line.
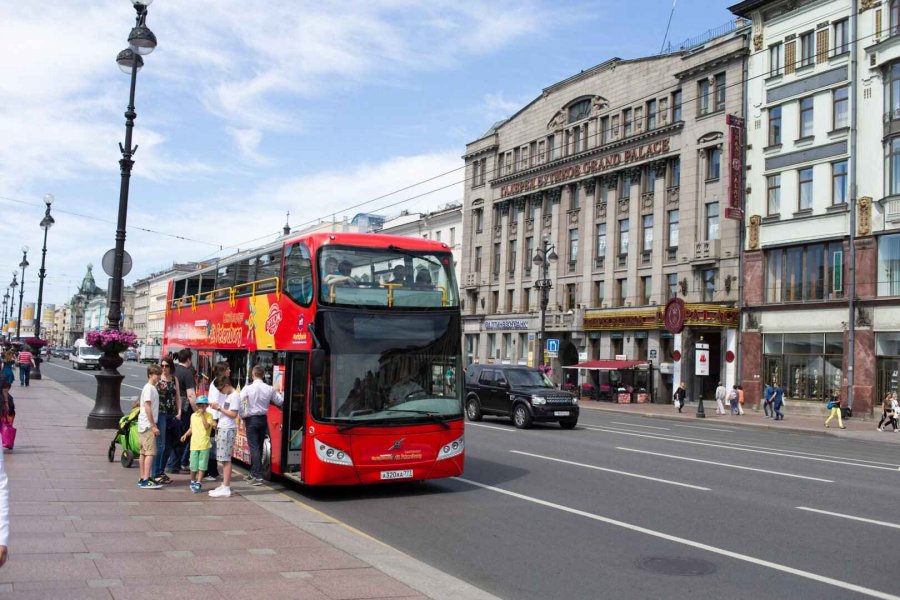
x=887, y=412
x=680, y=396
x=834, y=405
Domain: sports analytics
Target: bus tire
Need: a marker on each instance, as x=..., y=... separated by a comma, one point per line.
x=473, y=410
x=521, y=417
x=266, y=465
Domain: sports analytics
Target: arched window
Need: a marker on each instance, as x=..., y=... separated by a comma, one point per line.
x=580, y=110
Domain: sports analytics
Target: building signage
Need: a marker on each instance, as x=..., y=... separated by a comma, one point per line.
x=735, y=208
x=701, y=360
x=507, y=324
x=634, y=319
x=589, y=167
x=674, y=315
x=708, y=315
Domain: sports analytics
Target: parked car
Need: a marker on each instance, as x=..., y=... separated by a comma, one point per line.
x=130, y=355
x=84, y=356
x=521, y=393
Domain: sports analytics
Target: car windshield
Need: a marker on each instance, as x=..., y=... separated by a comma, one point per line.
x=89, y=351
x=388, y=369
x=527, y=378
x=388, y=277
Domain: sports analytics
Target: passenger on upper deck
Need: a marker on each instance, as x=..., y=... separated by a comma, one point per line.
x=338, y=274
x=399, y=275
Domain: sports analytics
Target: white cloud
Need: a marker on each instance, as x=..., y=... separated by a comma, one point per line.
x=247, y=142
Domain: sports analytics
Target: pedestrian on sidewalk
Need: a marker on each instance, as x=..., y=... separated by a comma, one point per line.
x=147, y=429
x=680, y=396
x=4, y=512
x=887, y=412
x=255, y=401
x=777, y=402
x=201, y=426
x=733, y=400
x=9, y=361
x=740, y=391
x=26, y=362
x=228, y=404
x=184, y=373
x=9, y=407
x=215, y=398
x=720, y=399
x=169, y=422
x=834, y=405
x=769, y=400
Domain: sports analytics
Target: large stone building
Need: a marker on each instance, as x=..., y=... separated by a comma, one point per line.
x=815, y=97
x=624, y=170
x=87, y=291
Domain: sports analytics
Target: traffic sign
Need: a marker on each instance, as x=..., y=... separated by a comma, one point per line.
x=552, y=345
x=109, y=260
x=701, y=359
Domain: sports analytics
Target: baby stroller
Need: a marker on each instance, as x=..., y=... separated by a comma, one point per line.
x=127, y=436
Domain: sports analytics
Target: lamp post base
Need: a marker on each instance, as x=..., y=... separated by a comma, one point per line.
x=108, y=403
x=701, y=414
x=36, y=371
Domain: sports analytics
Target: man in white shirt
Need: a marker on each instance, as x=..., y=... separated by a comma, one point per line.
x=227, y=405
x=720, y=399
x=147, y=428
x=255, y=400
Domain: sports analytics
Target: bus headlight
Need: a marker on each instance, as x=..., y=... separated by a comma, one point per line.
x=333, y=456
x=451, y=449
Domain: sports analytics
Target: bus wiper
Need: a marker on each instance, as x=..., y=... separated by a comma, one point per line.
x=367, y=423
x=399, y=250
x=432, y=415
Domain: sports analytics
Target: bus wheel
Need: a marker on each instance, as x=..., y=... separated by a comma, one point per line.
x=267, y=459
x=473, y=411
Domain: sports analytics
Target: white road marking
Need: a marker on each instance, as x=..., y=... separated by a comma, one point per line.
x=691, y=543
x=731, y=430
x=741, y=448
x=721, y=464
x=882, y=523
x=86, y=374
x=470, y=424
x=636, y=425
x=626, y=473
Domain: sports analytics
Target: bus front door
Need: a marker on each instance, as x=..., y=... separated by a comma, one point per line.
x=294, y=411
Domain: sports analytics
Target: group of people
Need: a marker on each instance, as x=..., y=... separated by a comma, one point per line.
x=182, y=431
x=339, y=273
x=890, y=411
x=773, y=401
x=734, y=398
x=24, y=359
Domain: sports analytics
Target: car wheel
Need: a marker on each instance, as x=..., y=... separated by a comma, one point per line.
x=473, y=410
x=521, y=417
x=568, y=423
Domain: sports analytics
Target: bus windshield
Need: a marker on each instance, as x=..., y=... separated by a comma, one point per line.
x=390, y=277
x=390, y=369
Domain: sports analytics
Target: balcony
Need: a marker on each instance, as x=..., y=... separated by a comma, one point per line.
x=599, y=261
x=706, y=251
x=892, y=210
x=470, y=281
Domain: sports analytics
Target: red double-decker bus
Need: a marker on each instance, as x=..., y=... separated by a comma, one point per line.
x=362, y=334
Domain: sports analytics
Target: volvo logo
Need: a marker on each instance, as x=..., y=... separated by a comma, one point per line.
x=396, y=445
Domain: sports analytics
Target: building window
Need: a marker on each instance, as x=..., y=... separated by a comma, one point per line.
x=638, y=119
x=892, y=93
x=573, y=249
x=808, y=366
x=709, y=284
x=511, y=265
x=576, y=139
x=673, y=230
x=713, y=163
x=571, y=293
x=841, y=41
x=651, y=114
x=626, y=185
x=672, y=284
x=510, y=301
x=529, y=253
x=623, y=237
x=495, y=302
x=574, y=200
x=839, y=182
x=675, y=173
x=492, y=345
x=893, y=19
x=496, y=266
x=773, y=186
x=601, y=243
x=775, y=126
x=614, y=127
x=807, y=49
x=775, y=63
x=597, y=300
x=604, y=130
x=621, y=291
x=703, y=94
x=806, y=188
x=646, y=286
x=551, y=146
x=479, y=220
x=627, y=122
x=676, y=106
x=892, y=166
x=650, y=180
x=805, y=273
x=476, y=165
x=526, y=299
x=541, y=151
x=452, y=237
x=477, y=260
x=720, y=91
x=712, y=221
x=889, y=265
x=841, y=104
x=579, y=110
x=647, y=234
x=806, y=117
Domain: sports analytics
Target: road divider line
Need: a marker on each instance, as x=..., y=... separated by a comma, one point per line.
x=636, y=425
x=729, y=430
x=617, y=472
x=508, y=430
x=727, y=446
x=759, y=562
x=85, y=374
x=721, y=464
x=882, y=523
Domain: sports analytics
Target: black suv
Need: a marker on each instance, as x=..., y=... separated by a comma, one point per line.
x=522, y=393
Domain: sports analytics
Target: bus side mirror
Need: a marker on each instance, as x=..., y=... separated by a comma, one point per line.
x=317, y=363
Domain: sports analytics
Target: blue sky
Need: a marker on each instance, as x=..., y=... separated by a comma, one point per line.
x=251, y=108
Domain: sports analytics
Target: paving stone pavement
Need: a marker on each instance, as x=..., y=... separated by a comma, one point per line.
x=81, y=528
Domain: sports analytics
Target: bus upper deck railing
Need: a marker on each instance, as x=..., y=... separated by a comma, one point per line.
x=232, y=292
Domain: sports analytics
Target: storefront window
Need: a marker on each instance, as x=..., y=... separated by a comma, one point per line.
x=887, y=350
x=807, y=365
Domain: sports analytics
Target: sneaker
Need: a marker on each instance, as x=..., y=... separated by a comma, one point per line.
x=248, y=478
x=257, y=482
x=149, y=484
x=209, y=478
x=165, y=479
x=195, y=487
x=221, y=492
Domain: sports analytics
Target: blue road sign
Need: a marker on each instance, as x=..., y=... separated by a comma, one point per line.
x=552, y=345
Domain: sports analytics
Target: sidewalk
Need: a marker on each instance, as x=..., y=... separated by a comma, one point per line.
x=81, y=528
x=856, y=427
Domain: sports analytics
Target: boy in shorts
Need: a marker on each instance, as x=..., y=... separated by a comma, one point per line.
x=229, y=401
x=147, y=428
x=201, y=425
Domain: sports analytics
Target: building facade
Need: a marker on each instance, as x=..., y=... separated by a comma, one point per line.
x=624, y=171
x=87, y=291
x=819, y=74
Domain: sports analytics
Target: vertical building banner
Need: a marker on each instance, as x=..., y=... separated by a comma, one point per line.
x=28, y=315
x=48, y=314
x=735, y=208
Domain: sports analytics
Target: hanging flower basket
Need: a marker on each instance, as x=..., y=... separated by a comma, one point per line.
x=111, y=341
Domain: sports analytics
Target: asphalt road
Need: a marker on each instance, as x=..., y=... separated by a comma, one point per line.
x=630, y=508
x=85, y=383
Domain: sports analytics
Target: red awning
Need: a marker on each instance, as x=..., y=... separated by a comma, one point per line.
x=610, y=365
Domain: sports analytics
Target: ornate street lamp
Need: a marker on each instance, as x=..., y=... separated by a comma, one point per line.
x=12, y=300
x=107, y=406
x=542, y=258
x=22, y=264
x=46, y=224
x=5, y=306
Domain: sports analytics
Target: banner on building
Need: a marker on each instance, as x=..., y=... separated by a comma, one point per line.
x=735, y=208
x=28, y=314
x=48, y=314
x=12, y=325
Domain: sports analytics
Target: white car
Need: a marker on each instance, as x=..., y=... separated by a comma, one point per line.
x=84, y=356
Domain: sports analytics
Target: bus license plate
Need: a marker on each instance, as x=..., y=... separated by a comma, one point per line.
x=404, y=474
x=561, y=413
